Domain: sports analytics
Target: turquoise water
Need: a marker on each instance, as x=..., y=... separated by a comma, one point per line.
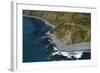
x=33, y=48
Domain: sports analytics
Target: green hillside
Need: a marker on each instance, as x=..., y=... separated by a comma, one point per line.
x=70, y=27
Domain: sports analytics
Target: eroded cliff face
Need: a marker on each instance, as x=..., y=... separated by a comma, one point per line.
x=70, y=27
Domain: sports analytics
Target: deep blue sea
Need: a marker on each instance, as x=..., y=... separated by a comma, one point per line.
x=35, y=42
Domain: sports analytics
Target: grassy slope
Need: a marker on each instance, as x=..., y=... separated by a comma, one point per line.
x=70, y=27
